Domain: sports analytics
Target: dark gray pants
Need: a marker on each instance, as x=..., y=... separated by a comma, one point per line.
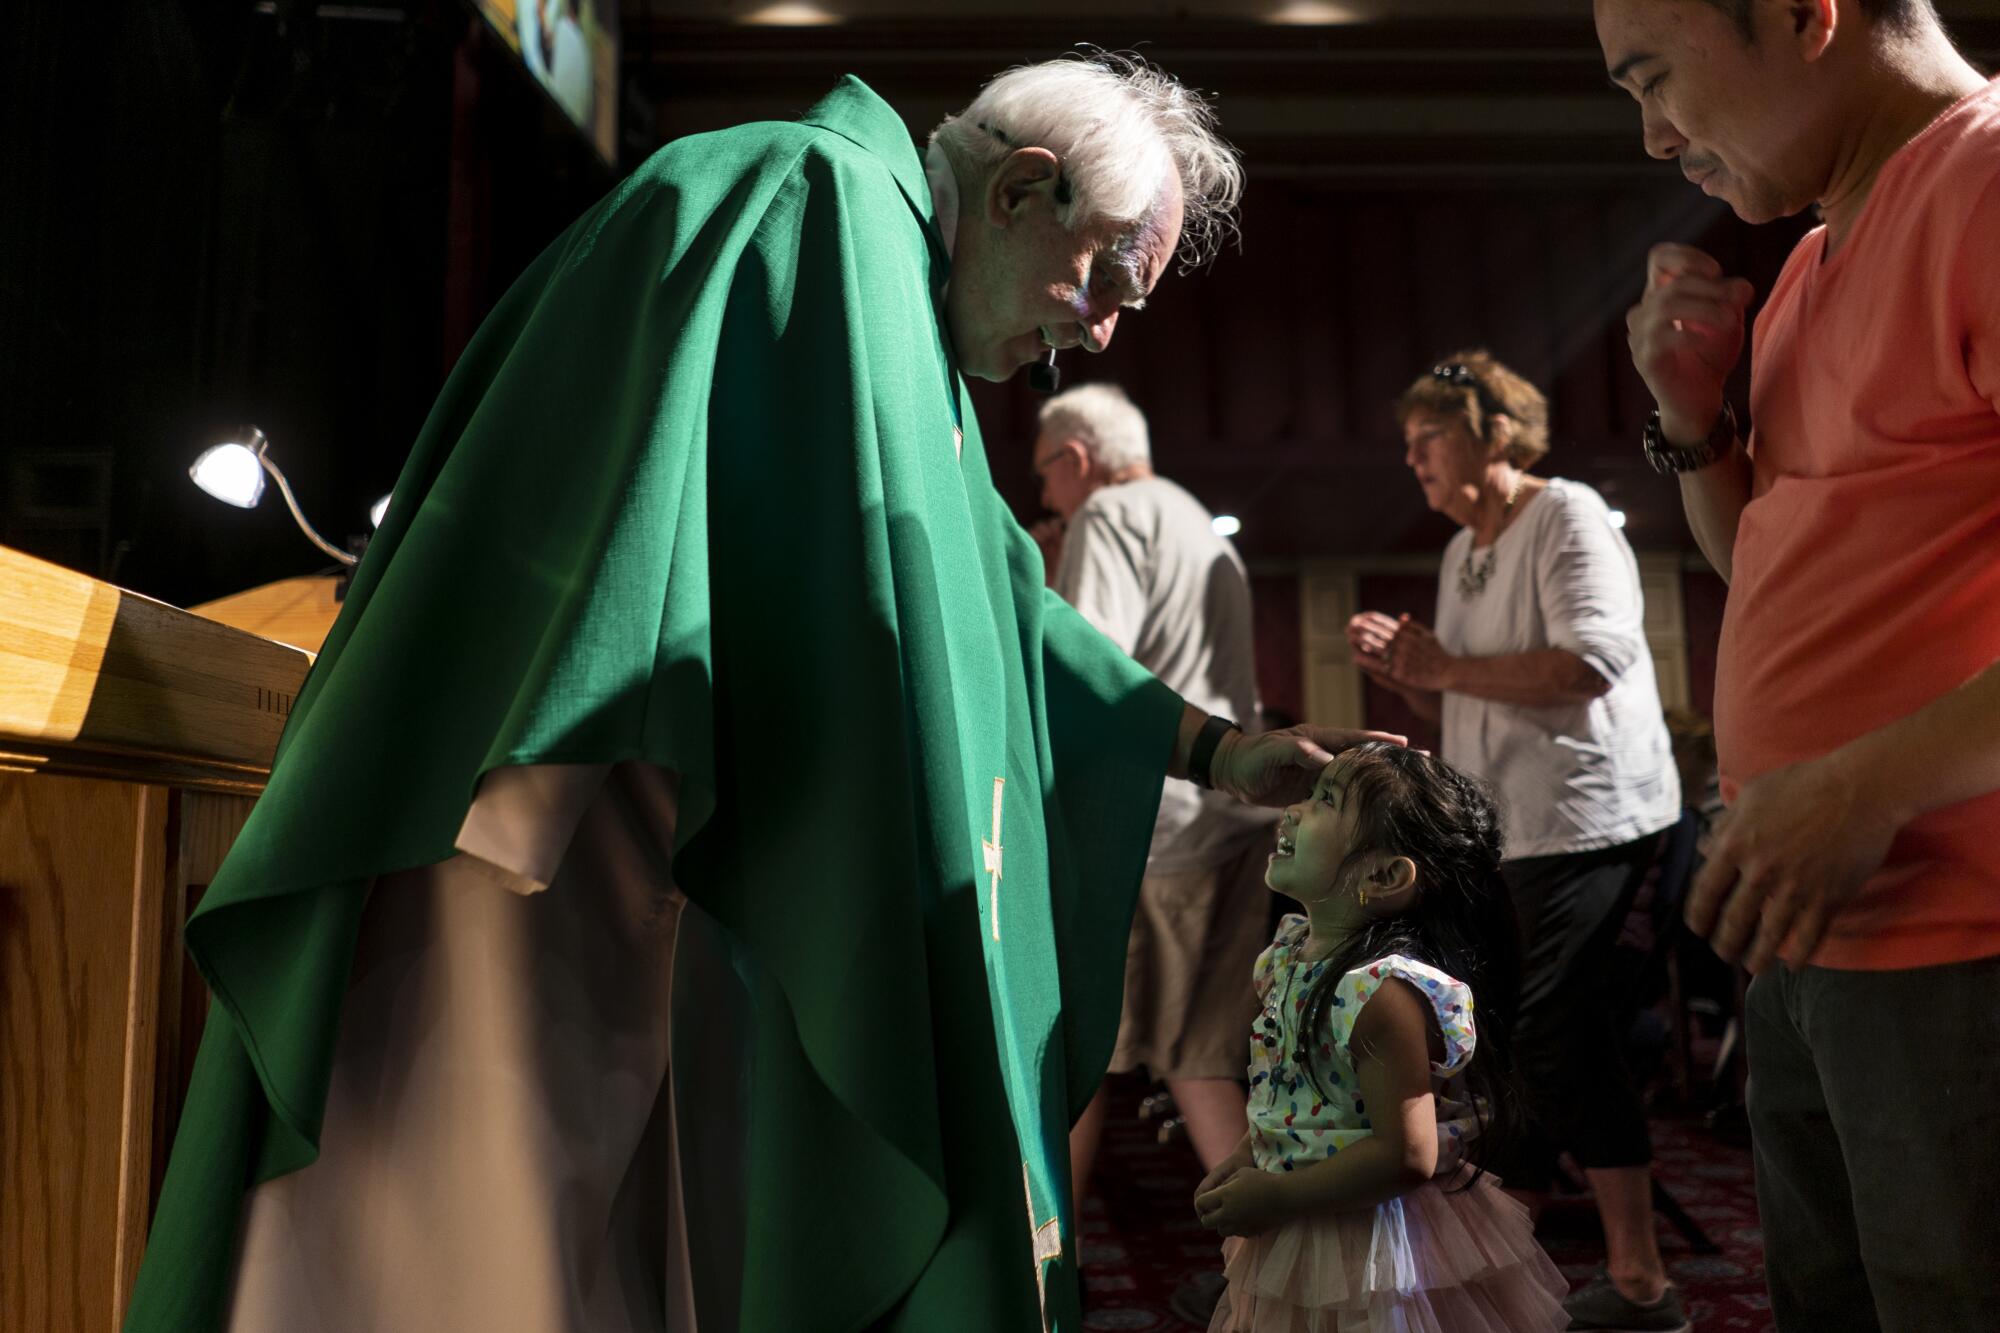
x=1568, y=1040
x=1875, y=1111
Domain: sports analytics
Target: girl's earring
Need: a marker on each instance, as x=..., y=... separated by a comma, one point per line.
x=1362, y=896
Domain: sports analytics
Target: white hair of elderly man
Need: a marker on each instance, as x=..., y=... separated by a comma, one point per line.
x=1110, y=427
x=1122, y=128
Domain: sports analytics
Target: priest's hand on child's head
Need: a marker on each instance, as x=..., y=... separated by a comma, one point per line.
x=1280, y=767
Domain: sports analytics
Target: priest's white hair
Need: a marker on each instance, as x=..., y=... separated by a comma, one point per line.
x=1122, y=129
x=1110, y=427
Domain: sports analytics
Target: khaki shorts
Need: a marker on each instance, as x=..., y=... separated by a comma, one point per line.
x=1188, y=998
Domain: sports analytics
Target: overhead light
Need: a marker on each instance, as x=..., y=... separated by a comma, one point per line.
x=233, y=472
x=377, y=511
x=1226, y=525
x=1308, y=12
x=791, y=15
x=1617, y=518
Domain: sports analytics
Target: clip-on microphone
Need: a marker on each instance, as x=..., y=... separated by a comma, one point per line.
x=1043, y=375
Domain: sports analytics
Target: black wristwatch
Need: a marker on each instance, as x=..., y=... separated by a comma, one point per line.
x=1673, y=459
x=1202, y=753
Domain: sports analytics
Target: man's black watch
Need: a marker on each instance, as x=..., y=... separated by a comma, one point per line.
x=1202, y=753
x=1673, y=459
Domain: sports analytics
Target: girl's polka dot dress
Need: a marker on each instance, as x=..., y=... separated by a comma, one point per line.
x=1439, y=1259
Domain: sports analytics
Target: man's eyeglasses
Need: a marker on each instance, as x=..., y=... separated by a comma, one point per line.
x=1042, y=465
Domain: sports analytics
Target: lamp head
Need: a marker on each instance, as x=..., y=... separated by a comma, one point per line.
x=233, y=471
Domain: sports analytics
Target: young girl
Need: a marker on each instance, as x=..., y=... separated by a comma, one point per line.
x=1350, y=1206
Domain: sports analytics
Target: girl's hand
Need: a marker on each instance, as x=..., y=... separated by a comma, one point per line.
x=1224, y=1169
x=1249, y=1202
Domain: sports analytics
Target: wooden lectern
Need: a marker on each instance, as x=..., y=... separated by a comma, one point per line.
x=298, y=611
x=134, y=738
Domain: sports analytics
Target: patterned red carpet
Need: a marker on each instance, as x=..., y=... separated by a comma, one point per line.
x=1142, y=1245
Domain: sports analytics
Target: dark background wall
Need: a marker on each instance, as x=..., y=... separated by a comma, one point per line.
x=292, y=214
x=217, y=215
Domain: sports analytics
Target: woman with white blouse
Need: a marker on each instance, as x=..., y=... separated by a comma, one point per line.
x=1539, y=673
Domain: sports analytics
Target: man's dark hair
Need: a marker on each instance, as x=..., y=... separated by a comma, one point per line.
x=1901, y=15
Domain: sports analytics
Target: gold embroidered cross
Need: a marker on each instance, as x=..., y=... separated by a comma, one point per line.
x=992, y=851
x=1047, y=1242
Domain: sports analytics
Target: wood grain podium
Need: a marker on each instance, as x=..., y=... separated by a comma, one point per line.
x=134, y=738
x=298, y=611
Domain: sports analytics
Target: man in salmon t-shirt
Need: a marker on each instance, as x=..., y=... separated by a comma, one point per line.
x=1857, y=696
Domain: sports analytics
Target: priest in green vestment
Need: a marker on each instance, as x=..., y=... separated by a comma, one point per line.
x=705, y=500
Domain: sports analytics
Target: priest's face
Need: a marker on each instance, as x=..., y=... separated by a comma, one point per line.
x=1021, y=282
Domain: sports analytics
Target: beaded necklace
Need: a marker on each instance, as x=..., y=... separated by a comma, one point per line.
x=1472, y=578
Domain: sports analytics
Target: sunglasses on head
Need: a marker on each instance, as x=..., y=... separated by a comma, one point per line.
x=1460, y=376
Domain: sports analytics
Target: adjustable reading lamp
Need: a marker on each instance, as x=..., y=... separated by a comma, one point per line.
x=233, y=472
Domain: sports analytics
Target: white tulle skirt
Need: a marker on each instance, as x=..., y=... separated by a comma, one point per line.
x=1440, y=1259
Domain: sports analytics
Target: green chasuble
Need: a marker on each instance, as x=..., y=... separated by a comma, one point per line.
x=693, y=497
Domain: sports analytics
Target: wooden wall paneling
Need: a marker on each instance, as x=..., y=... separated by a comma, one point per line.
x=1332, y=684
x=76, y=964
x=1666, y=625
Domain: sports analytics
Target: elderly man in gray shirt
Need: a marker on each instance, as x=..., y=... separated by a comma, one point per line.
x=1141, y=561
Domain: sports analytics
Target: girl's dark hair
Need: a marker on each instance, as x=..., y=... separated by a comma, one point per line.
x=1410, y=804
